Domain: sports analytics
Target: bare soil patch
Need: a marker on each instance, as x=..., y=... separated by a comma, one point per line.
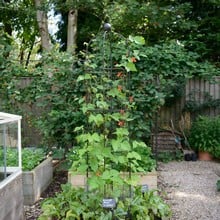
x=33, y=212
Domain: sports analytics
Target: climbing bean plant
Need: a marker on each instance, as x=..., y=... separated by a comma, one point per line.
x=106, y=144
x=108, y=153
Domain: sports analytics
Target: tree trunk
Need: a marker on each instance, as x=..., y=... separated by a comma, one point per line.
x=72, y=30
x=43, y=26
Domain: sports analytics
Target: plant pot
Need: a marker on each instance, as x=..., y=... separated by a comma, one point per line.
x=190, y=157
x=205, y=156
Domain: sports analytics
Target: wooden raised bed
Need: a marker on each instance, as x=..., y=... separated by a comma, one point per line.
x=79, y=180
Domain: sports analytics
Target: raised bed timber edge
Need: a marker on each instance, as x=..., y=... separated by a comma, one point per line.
x=79, y=180
x=36, y=181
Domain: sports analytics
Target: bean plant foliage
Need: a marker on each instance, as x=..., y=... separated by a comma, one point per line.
x=108, y=154
x=74, y=203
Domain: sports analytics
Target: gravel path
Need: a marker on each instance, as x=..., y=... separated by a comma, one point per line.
x=191, y=189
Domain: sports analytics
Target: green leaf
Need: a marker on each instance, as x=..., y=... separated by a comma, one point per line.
x=82, y=168
x=83, y=77
x=110, y=174
x=79, y=128
x=134, y=155
x=107, y=153
x=122, y=159
x=88, y=107
x=97, y=119
x=113, y=92
x=102, y=105
x=130, y=67
x=122, y=132
x=115, y=116
x=94, y=182
x=139, y=40
x=93, y=163
x=120, y=145
x=136, y=144
x=70, y=215
x=95, y=137
x=82, y=138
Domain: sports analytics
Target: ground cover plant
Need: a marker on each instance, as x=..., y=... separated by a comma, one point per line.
x=108, y=147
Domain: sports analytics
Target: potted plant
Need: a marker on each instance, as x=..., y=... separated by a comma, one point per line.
x=205, y=137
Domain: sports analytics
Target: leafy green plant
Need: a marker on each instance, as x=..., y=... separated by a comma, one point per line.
x=30, y=157
x=106, y=145
x=205, y=135
x=147, y=161
x=76, y=203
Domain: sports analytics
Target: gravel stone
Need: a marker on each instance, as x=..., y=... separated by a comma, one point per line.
x=190, y=189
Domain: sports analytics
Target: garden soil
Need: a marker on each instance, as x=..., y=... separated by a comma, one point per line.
x=189, y=188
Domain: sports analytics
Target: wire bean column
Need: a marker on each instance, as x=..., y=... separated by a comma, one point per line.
x=109, y=78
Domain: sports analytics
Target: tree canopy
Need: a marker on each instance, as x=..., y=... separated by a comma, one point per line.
x=196, y=22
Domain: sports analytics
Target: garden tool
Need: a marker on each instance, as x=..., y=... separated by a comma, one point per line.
x=189, y=154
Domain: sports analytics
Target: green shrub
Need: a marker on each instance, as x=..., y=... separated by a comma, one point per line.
x=205, y=135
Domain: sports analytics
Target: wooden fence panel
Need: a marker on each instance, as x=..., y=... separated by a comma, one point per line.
x=198, y=90
x=30, y=135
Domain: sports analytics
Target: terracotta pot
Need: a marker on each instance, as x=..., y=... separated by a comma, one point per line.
x=205, y=156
